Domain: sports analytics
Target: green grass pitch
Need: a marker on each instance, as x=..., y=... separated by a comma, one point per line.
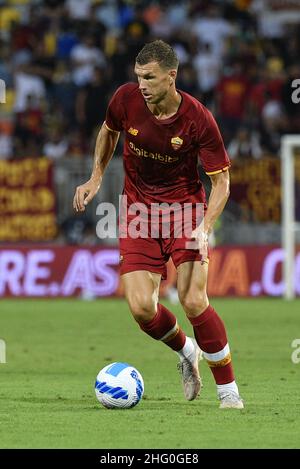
x=55, y=349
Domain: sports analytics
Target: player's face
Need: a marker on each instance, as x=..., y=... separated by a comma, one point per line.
x=154, y=81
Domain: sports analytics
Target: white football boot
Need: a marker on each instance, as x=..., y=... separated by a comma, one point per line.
x=189, y=369
x=230, y=400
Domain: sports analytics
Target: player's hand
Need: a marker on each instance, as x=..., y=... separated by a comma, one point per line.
x=200, y=235
x=84, y=194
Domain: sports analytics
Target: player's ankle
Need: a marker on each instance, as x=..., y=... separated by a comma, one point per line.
x=188, y=349
x=229, y=387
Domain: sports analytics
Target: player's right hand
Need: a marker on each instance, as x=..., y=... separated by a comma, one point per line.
x=84, y=194
x=200, y=235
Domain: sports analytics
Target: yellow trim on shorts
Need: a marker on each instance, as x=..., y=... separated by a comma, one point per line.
x=217, y=172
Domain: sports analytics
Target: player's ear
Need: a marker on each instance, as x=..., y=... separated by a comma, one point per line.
x=172, y=75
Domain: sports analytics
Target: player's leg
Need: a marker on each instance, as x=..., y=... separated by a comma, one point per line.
x=142, y=294
x=209, y=329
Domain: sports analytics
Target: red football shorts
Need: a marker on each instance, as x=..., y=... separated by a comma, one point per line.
x=152, y=253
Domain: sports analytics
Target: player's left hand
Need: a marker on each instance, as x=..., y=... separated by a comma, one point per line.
x=200, y=235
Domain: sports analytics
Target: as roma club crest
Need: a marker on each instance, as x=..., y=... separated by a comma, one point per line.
x=176, y=142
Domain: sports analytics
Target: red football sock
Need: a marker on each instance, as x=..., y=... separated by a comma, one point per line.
x=211, y=337
x=164, y=327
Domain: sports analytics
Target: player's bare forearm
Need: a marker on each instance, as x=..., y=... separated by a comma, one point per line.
x=105, y=146
x=217, y=199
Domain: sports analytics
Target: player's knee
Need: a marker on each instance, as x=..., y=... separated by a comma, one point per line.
x=142, y=307
x=194, y=303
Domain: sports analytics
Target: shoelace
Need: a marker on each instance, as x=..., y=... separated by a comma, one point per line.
x=185, y=367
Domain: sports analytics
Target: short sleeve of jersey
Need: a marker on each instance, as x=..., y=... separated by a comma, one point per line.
x=115, y=113
x=213, y=156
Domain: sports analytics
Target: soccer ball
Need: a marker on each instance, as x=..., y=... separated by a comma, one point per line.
x=119, y=385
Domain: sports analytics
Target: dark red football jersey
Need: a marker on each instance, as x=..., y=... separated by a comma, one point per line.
x=161, y=156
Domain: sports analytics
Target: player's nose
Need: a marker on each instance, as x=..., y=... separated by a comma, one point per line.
x=142, y=86
x=143, y=90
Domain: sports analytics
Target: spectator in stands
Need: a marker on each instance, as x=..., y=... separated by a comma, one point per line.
x=137, y=32
x=188, y=80
x=6, y=148
x=78, y=10
x=56, y=145
x=27, y=85
x=50, y=49
x=245, y=145
x=119, y=61
x=85, y=56
x=232, y=92
x=208, y=68
x=91, y=103
x=5, y=64
x=42, y=65
x=212, y=28
x=268, y=84
x=77, y=147
x=273, y=125
x=29, y=122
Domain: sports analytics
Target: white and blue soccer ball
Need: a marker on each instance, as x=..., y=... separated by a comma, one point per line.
x=119, y=385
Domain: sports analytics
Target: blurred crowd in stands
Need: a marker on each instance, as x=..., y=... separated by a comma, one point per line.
x=61, y=61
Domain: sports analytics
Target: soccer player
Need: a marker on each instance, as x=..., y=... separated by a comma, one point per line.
x=166, y=130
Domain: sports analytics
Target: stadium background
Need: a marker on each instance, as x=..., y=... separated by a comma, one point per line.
x=60, y=62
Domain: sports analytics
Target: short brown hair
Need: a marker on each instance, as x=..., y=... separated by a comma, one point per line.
x=160, y=52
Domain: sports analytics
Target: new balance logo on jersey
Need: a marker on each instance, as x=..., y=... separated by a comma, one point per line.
x=176, y=142
x=133, y=131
